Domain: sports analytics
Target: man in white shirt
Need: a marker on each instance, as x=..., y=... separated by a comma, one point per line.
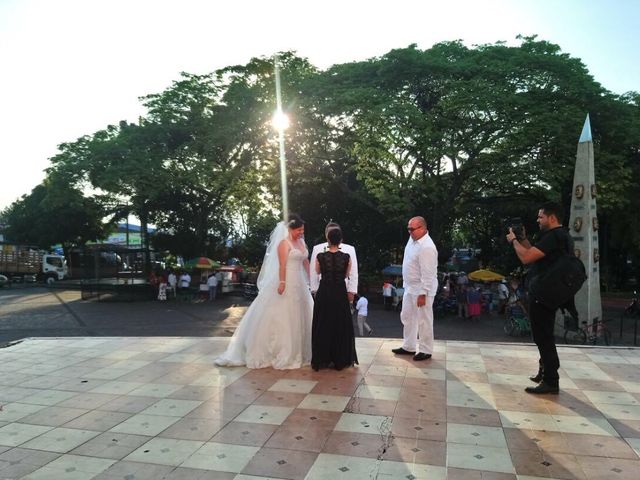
x=420, y=281
x=173, y=283
x=352, y=278
x=503, y=295
x=362, y=306
x=387, y=295
x=212, y=283
x=185, y=281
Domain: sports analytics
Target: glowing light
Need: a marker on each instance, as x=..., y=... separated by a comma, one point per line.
x=280, y=120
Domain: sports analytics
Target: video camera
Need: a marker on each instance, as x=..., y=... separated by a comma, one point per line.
x=516, y=226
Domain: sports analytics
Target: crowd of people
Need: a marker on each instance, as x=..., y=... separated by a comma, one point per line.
x=470, y=299
x=168, y=284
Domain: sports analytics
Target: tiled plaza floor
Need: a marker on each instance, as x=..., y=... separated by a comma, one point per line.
x=156, y=408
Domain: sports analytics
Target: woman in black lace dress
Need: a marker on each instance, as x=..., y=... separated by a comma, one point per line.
x=333, y=340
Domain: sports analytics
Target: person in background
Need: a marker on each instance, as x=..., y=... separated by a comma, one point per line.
x=387, y=295
x=503, y=296
x=362, y=307
x=212, y=283
x=462, y=279
x=486, y=297
x=461, y=300
x=162, y=287
x=172, y=281
x=515, y=303
x=446, y=286
x=154, y=281
x=185, y=283
x=474, y=299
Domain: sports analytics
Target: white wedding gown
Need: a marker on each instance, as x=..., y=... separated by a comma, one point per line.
x=276, y=329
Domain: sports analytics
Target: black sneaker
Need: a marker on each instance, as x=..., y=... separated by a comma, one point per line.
x=402, y=351
x=421, y=356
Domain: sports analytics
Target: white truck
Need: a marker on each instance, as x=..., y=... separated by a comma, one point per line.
x=21, y=263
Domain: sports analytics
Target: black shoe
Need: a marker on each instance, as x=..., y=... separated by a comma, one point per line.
x=537, y=378
x=402, y=351
x=542, y=388
x=421, y=356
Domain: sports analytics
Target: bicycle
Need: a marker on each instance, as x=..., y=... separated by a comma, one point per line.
x=517, y=325
x=574, y=335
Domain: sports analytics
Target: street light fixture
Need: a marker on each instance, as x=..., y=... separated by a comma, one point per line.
x=280, y=122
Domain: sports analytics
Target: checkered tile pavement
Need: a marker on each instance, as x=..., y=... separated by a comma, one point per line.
x=156, y=408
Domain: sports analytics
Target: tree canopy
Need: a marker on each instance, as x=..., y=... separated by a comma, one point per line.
x=467, y=137
x=55, y=213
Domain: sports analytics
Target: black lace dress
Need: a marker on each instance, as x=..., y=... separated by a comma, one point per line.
x=333, y=340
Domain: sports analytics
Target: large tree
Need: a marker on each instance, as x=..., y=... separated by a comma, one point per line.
x=467, y=137
x=445, y=131
x=55, y=213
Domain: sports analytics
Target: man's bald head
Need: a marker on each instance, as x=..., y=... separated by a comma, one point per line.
x=417, y=228
x=419, y=221
x=331, y=226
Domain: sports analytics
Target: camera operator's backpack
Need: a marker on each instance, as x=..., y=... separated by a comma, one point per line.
x=561, y=281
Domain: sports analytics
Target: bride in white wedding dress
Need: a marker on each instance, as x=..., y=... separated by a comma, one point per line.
x=276, y=328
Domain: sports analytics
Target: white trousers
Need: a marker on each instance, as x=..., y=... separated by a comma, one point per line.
x=418, y=324
x=362, y=322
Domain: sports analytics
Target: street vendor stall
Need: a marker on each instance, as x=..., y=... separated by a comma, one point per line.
x=206, y=267
x=229, y=277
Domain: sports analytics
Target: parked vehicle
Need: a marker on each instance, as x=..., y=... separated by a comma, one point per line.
x=3, y=280
x=25, y=263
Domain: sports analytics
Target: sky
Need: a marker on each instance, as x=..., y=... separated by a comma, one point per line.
x=71, y=67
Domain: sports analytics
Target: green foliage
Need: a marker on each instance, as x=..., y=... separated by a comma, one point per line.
x=54, y=213
x=466, y=137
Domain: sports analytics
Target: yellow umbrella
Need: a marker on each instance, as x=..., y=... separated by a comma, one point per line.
x=485, y=276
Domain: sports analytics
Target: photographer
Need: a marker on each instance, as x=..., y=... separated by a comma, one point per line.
x=550, y=246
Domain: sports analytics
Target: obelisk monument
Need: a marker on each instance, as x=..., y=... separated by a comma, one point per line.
x=583, y=227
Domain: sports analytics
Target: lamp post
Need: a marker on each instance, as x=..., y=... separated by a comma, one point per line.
x=281, y=122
